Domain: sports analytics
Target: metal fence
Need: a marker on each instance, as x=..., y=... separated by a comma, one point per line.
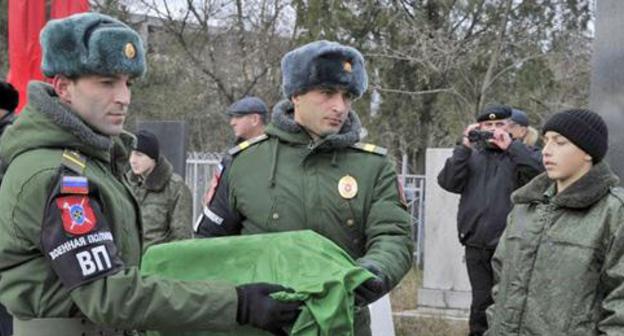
x=201, y=166
x=414, y=189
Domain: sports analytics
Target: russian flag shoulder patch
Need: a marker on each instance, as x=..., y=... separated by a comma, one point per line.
x=74, y=185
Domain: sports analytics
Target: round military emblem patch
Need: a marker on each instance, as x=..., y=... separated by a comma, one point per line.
x=76, y=214
x=492, y=116
x=347, y=187
x=129, y=50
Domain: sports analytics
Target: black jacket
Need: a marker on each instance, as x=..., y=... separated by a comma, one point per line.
x=217, y=219
x=485, y=178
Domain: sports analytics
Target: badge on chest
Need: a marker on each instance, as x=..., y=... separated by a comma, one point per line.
x=347, y=187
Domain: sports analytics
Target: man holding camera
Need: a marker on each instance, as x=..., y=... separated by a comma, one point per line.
x=485, y=168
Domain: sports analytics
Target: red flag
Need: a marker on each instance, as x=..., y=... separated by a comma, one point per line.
x=63, y=8
x=26, y=18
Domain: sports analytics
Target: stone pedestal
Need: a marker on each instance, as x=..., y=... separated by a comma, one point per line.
x=381, y=317
x=607, y=80
x=445, y=280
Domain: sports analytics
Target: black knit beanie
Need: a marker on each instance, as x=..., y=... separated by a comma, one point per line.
x=147, y=143
x=584, y=128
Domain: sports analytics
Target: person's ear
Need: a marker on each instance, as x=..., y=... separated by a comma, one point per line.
x=295, y=100
x=61, y=85
x=256, y=119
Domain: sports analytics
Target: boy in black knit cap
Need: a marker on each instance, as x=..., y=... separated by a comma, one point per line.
x=558, y=266
x=165, y=200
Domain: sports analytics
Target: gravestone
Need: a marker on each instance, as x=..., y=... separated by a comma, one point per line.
x=607, y=79
x=445, y=287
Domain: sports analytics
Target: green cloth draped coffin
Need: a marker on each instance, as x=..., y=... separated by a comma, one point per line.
x=322, y=274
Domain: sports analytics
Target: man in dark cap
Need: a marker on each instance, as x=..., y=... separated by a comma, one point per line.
x=71, y=242
x=518, y=124
x=309, y=172
x=164, y=198
x=558, y=266
x=248, y=118
x=485, y=168
x=520, y=129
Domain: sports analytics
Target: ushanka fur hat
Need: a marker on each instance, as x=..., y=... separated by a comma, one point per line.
x=91, y=44
x=323, y=64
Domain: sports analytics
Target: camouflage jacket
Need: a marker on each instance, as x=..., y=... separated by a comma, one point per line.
x=166, y=204
x=558, y=268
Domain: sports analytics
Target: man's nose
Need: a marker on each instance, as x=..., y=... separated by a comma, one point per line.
x=340, y=103
x=123, y=95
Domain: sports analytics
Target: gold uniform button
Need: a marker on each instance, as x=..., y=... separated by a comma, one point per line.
x=350, y=222
x=275, y=215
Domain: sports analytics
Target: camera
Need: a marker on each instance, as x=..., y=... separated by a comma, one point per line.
x=475, y=136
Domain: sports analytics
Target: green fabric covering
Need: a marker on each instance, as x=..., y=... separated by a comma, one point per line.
x=321, y=273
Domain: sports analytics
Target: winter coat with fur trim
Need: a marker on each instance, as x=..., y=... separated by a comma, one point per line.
x=31, y=288
x=559, y=266
x=288, y=182
x=166, y=204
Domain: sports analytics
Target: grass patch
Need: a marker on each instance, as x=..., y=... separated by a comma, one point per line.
x=405, y=295
x=414, y=326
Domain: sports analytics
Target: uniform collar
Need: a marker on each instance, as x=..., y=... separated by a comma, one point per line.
x=589, y=189
x=283, y=126
x=158, y=178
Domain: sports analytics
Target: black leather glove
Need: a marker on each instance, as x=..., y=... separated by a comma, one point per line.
x=372, y=289
x=257, y=308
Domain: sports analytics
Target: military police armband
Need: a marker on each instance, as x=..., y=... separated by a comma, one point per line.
x=75, y=235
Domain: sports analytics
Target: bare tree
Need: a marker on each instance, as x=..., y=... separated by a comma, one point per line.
x=205, y=54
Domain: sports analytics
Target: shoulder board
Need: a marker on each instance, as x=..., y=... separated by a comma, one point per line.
x=247, y=143
x=74, y=161
x=366, y=147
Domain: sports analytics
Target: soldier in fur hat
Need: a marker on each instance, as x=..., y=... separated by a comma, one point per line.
x=313, y=173
x=71, y=246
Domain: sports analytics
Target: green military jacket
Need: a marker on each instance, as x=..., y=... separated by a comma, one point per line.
x=31, y=288
x=559, y=266
x=287, y=182
x=166, y=204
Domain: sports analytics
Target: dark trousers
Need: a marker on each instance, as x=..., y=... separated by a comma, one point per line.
x=6, y=322
x=478, y=262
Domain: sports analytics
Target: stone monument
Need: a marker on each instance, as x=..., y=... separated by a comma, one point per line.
x=445, y=287
x=607, y=78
